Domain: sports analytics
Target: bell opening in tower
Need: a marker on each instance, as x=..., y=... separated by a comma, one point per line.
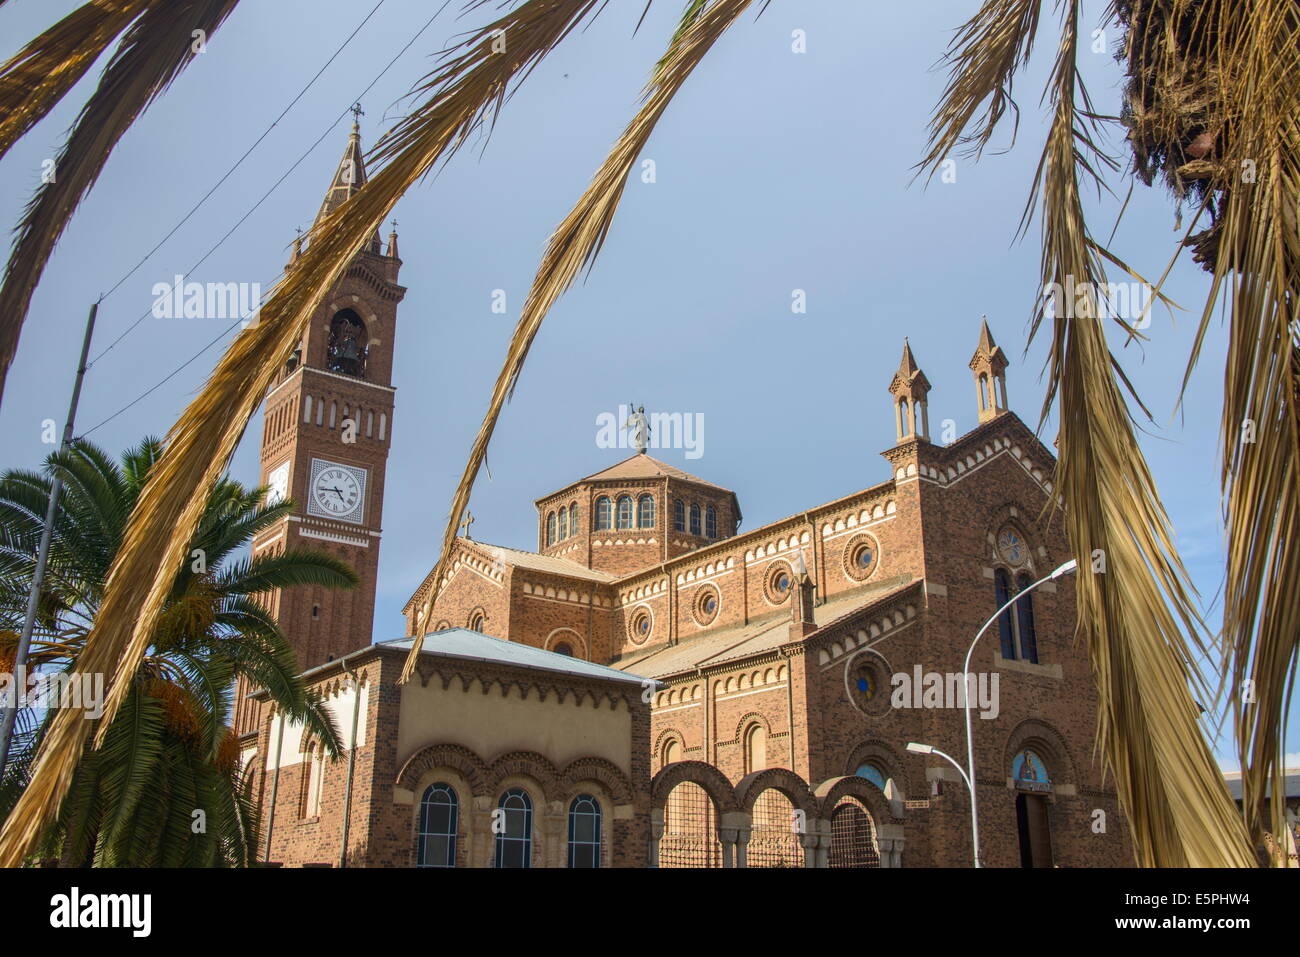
x=346, y=350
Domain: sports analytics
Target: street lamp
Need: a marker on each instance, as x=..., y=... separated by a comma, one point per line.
x=918, y=748
x=1066, y=569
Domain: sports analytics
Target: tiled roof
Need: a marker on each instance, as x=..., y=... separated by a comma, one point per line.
x=740, y=641
x=473, y=646
x=644, y=466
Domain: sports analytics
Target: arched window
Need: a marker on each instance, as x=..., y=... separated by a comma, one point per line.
x=345, y=352
x=309, y=803
x=679, y=515
x=439, y=812
x=672, y=751
x=872, y=774
x=573, y=518
x=695, y=519
x=645, y=512
x=1006, y=630
x=563, y=648
x=515, y=832
x=625, y=511
x=710, y=523
x=584, y=832
x=476, y=621
x=853, y=835
x=604, y=513
x=550, y=529
x=755, y=748
x=563, y=531
x=1019, y=638
x=1025, y=620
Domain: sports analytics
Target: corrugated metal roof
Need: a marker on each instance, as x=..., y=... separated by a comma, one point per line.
x=546, y=563
x=740, y=641
x=1290, y=778
x=471, y=645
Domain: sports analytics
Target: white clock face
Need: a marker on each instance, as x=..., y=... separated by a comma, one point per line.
x=279, y=482
x=337, y=491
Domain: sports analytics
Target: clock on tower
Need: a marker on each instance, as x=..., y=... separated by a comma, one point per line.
x=327, y=426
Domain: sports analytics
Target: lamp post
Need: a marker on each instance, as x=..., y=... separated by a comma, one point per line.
x=968, y=775
x=917, y=748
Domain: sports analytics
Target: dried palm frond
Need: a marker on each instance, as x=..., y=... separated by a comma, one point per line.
x=34, y=80
x=985, y=54
x=1257, y=273
x=472, y=80
x=153, y=52
x=1212, y=109
x=1134, y=598
x=575, y=244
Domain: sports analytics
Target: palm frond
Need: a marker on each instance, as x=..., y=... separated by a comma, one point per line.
x=155, y=49
x=286, y=570
x=575, y=244
x=1210, y=109
x=473, y=80
x=34, y=80
x=984, y=57
x=1256, y=258
x=1134, y=597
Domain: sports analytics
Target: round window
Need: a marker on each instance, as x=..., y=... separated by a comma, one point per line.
x=640, y=626
x=867, y=684
x=706, y=606
x=1012, y=547
x=779, y=582
x=861, y=556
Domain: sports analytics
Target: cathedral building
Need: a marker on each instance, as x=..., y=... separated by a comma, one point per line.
x=653, y=686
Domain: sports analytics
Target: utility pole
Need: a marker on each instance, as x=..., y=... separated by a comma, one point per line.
x=42, y=555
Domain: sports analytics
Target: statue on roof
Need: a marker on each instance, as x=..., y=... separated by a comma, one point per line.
x=638, y=423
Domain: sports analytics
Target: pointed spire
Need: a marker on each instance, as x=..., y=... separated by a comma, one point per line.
x=909, y=377
x=986, y=344
x=908, y=367
x=349, y=177
x=989, y=365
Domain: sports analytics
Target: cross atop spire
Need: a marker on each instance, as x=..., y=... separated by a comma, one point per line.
x=357, y=112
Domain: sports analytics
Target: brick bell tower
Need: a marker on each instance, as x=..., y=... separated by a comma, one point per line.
x=327, y=427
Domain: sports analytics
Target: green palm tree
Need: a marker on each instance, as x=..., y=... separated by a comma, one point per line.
x=164, y=787
x=1211, y=97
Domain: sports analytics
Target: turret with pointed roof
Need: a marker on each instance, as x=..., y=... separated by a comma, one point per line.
x=909, y=388
x=989, y=365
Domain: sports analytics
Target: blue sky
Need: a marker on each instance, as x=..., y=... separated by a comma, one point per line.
x=775, y=171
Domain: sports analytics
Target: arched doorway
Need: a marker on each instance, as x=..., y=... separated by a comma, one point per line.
x=853, y=835
x=690, y=829
x=1033, y=821
x=773, y=840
